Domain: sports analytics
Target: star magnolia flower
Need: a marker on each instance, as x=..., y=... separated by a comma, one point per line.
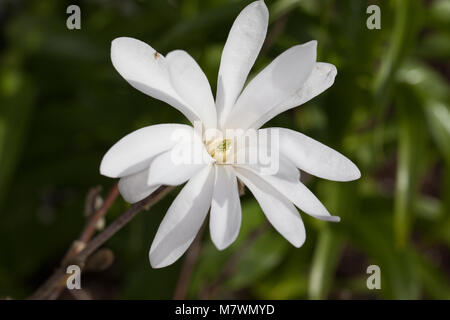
x=144, y=159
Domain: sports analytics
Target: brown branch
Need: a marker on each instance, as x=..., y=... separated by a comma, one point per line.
x=89, y=228
x=188, y=266
x=91, y=225
x=91, y=203
x=51, y=288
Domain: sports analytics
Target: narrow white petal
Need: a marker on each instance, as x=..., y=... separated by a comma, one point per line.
x=176, y=166
x=314, y=157
x=225, y=217
x=287, y=182
x=244, y=42
x=134, y=188
x=321, y=78
x=192, y=86
x=147, y=70
x=280, y=212
x=133, y=152
x=183, y=219
x=273, y=85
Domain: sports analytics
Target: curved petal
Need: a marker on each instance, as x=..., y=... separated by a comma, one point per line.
x=278, y=209
x=243, y=44
x=287, y=182
x=134, y=188
x=183, y=220
x=147, y=70
x=192, y=86
x=178, y=165
x=321, y=78
x=314, y=157
x=225, y=216
x=132, y=153
x=273, y=85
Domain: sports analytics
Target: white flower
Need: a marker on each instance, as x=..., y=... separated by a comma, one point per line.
x=144, y=159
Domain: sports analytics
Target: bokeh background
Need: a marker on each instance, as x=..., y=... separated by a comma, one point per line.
x=62, y=105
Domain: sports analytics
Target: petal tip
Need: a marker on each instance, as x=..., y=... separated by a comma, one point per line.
x=105, y=170
x=298, y=242
x=115, y=41
x=102, y=169
x=352, y=172
x=261, y=5
x=332, y=73
x=356, y=173
x=155, y=264
x=312, y=44
x=118, y=41
x=335, y=219
x=220, y=246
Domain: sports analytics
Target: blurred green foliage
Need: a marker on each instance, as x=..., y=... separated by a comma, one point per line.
x=62, y=105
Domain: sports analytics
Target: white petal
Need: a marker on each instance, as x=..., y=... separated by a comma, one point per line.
x=192, y=86
x=273, y=85
x=133, y=152
x=183, y=219
x=147, y=70
x=176, y=166
x=244, y=42
x=225, y=217
x=287, y=182
x=314, y=157
x=280, y=212
x=134, y=188
x=321, y=78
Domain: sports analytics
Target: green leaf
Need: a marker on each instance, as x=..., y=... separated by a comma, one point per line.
x=325, y=259
x=410, y=143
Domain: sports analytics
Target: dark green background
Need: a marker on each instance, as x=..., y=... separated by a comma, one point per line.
x=62, y=105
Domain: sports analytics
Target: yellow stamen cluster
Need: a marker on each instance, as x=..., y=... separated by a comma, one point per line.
x=219, y=148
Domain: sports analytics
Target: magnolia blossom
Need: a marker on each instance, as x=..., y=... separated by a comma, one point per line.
x=146, y=159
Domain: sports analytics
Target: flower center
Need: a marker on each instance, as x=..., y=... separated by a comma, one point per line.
x=219, y=149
